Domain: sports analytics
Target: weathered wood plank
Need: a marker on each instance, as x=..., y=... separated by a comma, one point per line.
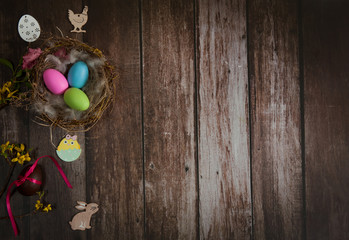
x=12, y=120
x=223, y=118
x=275, y=120
x=326, y=95
x=13, y=128
x=54, y=225
x=169, y=132
x=114, y=145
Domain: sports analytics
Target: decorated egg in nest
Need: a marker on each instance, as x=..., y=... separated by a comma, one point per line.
x=69, y=149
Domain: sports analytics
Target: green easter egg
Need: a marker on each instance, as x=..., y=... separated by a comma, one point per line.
x=76, y=99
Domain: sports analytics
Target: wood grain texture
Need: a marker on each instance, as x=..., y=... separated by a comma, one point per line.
x=62, y=198
x=12, y=121
x=223, y=118
x=169, y=132
x=275, y=120
x=326, y=96
x=114, y=156
x=205, y=138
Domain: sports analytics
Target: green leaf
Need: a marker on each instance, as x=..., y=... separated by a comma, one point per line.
x=19, y=73
x=41, y=194
x=6, y=63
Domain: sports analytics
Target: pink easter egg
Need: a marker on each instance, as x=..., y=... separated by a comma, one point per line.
x=55, y=81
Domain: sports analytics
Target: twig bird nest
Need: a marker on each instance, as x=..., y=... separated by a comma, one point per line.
x=61, y=53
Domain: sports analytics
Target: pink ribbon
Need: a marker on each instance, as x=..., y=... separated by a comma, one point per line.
x=30, y=180
x=71, y=137
x=26, y=177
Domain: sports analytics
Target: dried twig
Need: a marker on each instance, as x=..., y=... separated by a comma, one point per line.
x=22, y=216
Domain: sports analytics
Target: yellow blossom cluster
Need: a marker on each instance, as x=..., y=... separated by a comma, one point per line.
x=40, y=206
x=6, y=93
x=16, y=152
x=21, y=158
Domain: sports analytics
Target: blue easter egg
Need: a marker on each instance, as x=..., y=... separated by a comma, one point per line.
x=78, y=75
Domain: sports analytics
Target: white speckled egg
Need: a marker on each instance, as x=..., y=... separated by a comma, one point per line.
x=28, y=28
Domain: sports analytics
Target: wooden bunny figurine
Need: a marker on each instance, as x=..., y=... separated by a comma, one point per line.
x=81, y=221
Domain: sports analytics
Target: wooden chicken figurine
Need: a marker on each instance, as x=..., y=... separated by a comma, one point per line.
x=78, y=20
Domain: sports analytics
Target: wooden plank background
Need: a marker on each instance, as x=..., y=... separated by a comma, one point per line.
x=275, y=120
x=14, y=122
x=223, y=121
x=326, y=118
x=231, y=121
x=168, y=118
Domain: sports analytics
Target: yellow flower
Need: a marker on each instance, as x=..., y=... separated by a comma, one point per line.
x=11, y=94
x=38, y=205
x=10, y=148
x=20, y=149
x=21, y=158
x=47, y=208
x=8, y=84
x=26, y=157
x=16, y=159
x=4, y=146
x=6, y=87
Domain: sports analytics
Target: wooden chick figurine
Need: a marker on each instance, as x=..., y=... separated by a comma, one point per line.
x=78, y=20
x=81, y=221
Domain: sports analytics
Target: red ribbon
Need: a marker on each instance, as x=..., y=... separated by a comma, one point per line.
x=26, y=177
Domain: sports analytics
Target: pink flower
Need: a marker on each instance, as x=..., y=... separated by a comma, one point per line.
x=30, y=57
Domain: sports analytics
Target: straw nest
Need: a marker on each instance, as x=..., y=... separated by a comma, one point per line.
x=61, y=53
